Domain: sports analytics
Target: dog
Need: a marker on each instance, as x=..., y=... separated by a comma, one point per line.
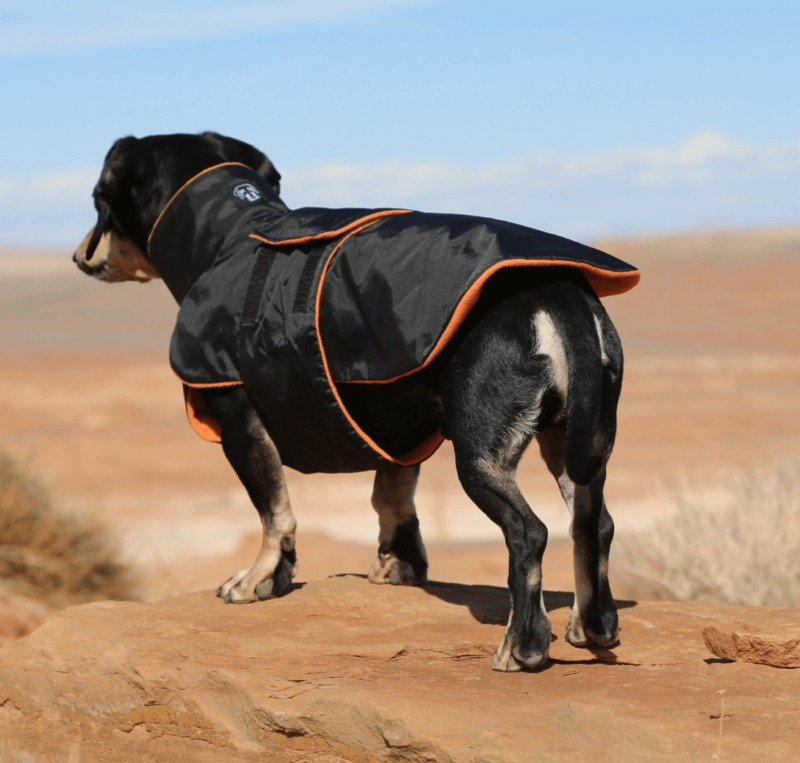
x=516, y=353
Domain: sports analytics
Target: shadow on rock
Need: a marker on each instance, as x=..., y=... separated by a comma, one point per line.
x=490, y=605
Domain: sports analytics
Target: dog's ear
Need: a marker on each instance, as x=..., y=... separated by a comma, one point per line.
x=116, y=168
x=232, y=150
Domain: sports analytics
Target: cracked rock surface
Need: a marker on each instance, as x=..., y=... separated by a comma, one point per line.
x=344, y=670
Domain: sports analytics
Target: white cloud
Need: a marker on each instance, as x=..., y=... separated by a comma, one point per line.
x=62, y=185
x=708, y=145
x=51, y=209
x=97, y=25
x=706, y=180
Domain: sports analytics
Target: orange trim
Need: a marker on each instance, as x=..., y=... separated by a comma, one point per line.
x=605, y=283
x=208, y=385
x=333, y=233
x=188, y=182
x=203, y=423
x=422, y=451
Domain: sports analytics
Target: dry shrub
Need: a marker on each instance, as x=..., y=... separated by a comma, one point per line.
x=51, y=552
x=742, y=548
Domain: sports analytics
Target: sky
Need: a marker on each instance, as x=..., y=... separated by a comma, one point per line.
x=582, y=118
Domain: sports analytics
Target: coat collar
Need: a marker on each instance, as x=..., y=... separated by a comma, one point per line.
x=211, y=212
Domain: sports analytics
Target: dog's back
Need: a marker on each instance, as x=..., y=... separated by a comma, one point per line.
x=568, y=370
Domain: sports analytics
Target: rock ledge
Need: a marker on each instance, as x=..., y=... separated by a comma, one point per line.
x=344, y=670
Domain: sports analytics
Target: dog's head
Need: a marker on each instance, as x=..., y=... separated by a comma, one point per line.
x=139, y=178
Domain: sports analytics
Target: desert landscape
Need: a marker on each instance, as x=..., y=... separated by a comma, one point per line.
x=87, y=399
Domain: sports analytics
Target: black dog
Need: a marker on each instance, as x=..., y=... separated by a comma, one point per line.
x=528, y=352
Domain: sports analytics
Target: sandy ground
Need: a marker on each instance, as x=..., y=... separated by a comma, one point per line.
x=711, y=382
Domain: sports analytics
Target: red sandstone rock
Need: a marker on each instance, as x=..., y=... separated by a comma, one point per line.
x=775, y=644
x=346, y=670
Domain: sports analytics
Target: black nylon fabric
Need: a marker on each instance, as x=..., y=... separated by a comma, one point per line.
x=388, y=295
x=393, y=288
x=200, y=247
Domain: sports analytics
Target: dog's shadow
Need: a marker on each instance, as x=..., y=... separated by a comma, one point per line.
x=490, y=605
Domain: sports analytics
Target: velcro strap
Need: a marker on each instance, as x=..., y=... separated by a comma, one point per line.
x=258, y=280
x=302, y=297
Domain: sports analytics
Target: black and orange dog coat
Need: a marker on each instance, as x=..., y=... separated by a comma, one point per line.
x=292, y=303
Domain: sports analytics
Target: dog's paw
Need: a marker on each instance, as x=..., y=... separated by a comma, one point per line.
x=508, y=659
x=233, y=582
x=389, y=568
x=262, y=581
x=584, y=636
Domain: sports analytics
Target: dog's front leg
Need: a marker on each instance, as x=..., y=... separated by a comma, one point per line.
x=257, y=463
x=402, y=559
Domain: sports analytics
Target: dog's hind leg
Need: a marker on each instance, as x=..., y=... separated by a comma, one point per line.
x=492, y=408
x=489, y=479
x=402, y=559
x=257, y=463
x=594, y=614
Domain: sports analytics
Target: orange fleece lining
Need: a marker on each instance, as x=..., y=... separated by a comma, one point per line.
x=199, y=416
x=597, y=277
x=332, y=233
x=201, y=420
x=421, y=452
x=187, y=183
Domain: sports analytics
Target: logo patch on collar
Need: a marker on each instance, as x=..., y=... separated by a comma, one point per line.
x=247, y=192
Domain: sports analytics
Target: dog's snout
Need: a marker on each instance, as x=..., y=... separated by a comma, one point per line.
x=84, y=266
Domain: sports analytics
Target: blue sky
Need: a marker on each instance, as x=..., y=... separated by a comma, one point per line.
x=583, y=118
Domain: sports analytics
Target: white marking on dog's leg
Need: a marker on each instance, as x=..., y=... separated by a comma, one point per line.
x=590, y=564
x=549, y=343
x=603, y=355
x=580, y=503
x=590, y=554
x=278, y=539
x=578, y=500
x=503, y=658
x=526, y=541
x=402, y=558
x=278, y=532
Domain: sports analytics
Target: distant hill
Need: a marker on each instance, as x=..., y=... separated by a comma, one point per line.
x=722, y=244
x=710, y=291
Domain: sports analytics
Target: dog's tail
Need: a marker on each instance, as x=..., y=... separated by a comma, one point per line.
x=583, y=348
